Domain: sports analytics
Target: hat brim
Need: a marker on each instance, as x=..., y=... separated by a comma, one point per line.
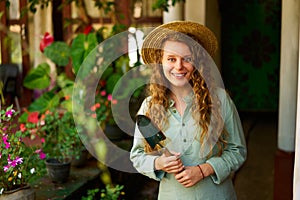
x=154, y=39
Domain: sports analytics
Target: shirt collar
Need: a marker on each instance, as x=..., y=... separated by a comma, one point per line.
x=187, y=99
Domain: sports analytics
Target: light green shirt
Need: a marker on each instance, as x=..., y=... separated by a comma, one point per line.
x=183, y=135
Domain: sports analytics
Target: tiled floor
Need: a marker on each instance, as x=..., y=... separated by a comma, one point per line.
x=254, y=181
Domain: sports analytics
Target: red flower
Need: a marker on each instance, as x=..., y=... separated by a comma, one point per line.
x=94, y=107
x=46, y=41
x=102, y=83
x=67, y=97
x=22, y=127
x=87, y=29
x=33, y=117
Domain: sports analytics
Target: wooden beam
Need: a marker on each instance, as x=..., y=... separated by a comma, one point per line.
x=25, y=93
x=57, y=18
x=3, y=34
x=66, y=14
x=123, y=12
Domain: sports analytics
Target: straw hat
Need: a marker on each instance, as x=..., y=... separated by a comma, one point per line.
x=154, y=39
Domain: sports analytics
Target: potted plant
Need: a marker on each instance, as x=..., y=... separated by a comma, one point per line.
x=58, y=138
x=62, y=143
x=58, y=87
x=21, y=156
x=55, y=102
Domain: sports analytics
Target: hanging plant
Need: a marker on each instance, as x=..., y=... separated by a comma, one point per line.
x=164, y=5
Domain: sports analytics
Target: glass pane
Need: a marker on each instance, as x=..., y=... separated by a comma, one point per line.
x=15, y=44
x=14, y=9
x=148, y=11
x=91, y=9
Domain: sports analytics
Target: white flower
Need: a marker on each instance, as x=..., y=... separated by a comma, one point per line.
x=32, y=170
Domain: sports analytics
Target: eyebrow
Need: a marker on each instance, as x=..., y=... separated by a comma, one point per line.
x=168, y=53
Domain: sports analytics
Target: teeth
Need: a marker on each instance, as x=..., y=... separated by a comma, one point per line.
x=179, y=75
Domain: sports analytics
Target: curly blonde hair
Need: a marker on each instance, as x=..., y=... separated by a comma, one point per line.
x=203, y=108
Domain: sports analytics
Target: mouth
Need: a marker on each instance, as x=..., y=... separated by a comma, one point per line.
x=179, y=75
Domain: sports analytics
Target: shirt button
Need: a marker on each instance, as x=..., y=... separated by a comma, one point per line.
x=184, y=140
x=183, y=124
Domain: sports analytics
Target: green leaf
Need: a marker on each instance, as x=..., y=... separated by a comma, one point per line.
x=45, y=102
x=23, y=117
x=58, y=52
x=63, y=81
x=38, y=78
x=111, y=82
x=81, y=46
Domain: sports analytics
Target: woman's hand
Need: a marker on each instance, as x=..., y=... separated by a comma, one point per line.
x=169, y=164
x=189, y=176
x=193, y=174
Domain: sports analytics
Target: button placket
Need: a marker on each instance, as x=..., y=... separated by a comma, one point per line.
x=183, y=135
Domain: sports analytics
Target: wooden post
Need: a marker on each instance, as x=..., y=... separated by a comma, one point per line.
x=26, y=94
x=3, y=33
x=122, y=8
x=66, y=14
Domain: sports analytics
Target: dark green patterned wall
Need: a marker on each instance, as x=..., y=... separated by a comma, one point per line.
x=251, y=52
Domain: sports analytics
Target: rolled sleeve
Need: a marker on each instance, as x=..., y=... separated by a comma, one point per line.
x=144, y=163
x=235, y=153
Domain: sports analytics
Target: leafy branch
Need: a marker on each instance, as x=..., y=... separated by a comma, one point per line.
x=164, y=4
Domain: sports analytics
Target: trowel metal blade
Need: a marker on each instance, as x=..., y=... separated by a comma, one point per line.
x=149, y=131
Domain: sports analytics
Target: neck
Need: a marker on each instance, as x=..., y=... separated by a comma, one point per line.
x=180, y=105
x=180, y=93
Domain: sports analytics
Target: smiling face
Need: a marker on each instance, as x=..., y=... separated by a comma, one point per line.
x=177, y=64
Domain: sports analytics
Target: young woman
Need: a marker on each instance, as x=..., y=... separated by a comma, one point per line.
x=187, y=102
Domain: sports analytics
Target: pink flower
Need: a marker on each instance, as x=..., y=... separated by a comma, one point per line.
x=15, y=162
x=4, y=138
x=41, y=153
x=43, y=140
x=7, y=145
x=10, y=113
x=109, y=97
x=46, y=41
x=5, y=168
x=114, y=101
x=103, y=93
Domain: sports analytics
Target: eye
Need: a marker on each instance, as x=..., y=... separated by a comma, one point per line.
x=187, y=59
x=171, y=59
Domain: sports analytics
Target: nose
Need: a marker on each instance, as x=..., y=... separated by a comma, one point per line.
x=178, y=64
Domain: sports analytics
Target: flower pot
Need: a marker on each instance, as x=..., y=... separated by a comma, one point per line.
x=58, y=171
x=21, y=193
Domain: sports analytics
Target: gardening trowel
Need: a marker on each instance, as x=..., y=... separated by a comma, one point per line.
x=151, y=133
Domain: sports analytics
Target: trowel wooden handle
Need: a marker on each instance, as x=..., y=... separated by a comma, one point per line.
x=167, y=152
